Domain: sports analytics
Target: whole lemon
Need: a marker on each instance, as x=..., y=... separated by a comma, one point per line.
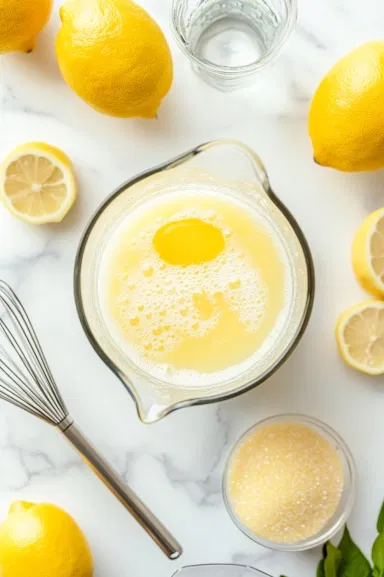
x=114, y=56
x=41, y=540
x=20, y=23
x=346, y=120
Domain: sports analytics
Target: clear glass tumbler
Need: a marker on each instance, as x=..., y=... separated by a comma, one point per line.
x=228, y=41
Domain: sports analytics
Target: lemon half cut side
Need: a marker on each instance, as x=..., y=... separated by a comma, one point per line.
x=37, y=183
x=360, y=337
x=368, y=253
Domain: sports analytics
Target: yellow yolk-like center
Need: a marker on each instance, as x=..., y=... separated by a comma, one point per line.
x=189, y=241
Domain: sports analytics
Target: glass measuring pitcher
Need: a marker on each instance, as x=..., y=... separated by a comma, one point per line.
x=220, y=166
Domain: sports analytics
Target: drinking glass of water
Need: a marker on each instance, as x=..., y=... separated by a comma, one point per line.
x=228, y=41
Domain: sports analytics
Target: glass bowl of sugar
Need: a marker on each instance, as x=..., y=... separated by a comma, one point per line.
x=219, y=570
x=289, y=483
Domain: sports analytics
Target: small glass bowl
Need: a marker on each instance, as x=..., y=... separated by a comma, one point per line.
x=219, y=570
x=337, y=521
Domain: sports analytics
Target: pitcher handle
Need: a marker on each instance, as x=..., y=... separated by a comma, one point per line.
x=258, y=166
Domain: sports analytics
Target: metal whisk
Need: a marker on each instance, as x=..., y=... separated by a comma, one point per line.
x=27, y=382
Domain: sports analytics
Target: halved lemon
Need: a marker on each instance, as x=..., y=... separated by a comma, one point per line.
x=360, y=337
x=368, y=253
x=37, y=183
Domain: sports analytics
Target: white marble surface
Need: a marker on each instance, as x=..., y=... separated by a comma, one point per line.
x=177, y=464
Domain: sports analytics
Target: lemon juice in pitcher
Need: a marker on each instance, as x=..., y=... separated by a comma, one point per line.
x=194, y=287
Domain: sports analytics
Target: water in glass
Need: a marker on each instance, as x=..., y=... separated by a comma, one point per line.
x=234, y=33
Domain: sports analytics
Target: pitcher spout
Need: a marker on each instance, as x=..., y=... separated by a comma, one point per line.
x=152, y=413
x=153, y=402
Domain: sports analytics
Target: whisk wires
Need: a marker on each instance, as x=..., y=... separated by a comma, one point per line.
x=26, y=380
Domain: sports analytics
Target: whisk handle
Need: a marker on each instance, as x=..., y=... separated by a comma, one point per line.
x=126, y=496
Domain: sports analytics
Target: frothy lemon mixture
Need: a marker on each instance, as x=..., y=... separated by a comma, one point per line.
x=193, y=286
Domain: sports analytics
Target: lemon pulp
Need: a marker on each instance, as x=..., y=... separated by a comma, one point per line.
x=37, y=183
x=368, y=253
x=193, y=285
x=360, y=337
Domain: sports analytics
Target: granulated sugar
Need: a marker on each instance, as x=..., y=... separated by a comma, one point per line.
x=285, y=482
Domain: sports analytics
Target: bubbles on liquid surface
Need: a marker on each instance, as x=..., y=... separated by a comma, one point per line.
x=161, y=305
x=161, y=309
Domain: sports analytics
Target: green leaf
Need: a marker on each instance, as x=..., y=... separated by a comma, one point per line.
x=380, y=520
x=377, y=572
x=320, y=569
x=332, y=561
x=354, y=563
x=378, y=555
